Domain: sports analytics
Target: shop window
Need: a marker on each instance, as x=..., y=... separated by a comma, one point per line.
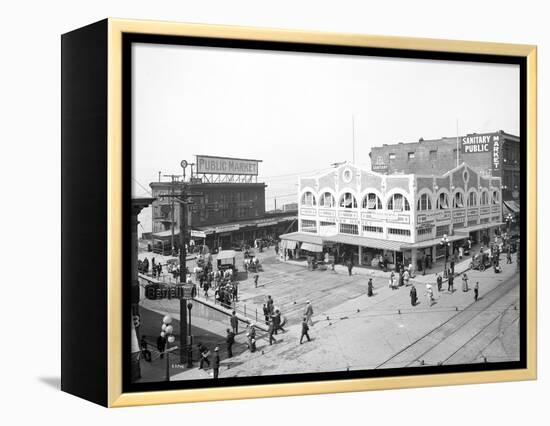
x=441, y=230
x=458, y=200
x=347, y=228
x=348, y=201
x=442, y=201
x=376, y=229
x=398, y=203
x=401, y=232
x=424, y=203
x=323, y=223
x=327, y=200
x=309, y=226
x=372, y=202
x=472, y=199
x=308, y=199
x=410, y=155
x=424, y=231
x=433, y=154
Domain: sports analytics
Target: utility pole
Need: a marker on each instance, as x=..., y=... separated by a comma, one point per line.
x=172, y=210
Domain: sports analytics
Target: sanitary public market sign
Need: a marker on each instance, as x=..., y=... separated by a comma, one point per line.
x=207, y=164
x=476, y=143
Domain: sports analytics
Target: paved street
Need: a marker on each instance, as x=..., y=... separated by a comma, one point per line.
x=353, y=331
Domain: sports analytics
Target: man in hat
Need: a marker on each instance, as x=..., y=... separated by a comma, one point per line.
x=308, y=313
x=216, y=362
x=450, y=282
x=413, y=295
x=439, y=281
x=230, y=340
x=370, y=288
x=234, y=321
x=270, y=331
x=305, y=329
x=476, y=291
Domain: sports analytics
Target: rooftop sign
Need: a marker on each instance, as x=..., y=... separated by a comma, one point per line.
x=207, y=164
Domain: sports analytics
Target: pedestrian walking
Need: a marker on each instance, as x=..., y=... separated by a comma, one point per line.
x=406, y=277
x=251, y=338
x=271, y=331
x=429, y=294
x=413, y=295
x=460, y=252
x=234, y=322
x=277, y=322
x=369, y=288
x=464, y=282
x=476, y=291
x=350, y=267
x=230, y=340
x=308, y=313
x=270, y=305
x=216, y=362
x=161, y=344
x=266, y=313
x=204, y=354
x=256, y=276
x=453, y=265
x=439, y=281
x=305, y=329
x=508, y=257
x=450, y=283
x=145, y=352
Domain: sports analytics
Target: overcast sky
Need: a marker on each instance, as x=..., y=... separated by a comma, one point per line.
x=294, y=110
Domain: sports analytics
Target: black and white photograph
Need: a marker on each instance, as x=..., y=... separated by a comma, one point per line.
x=300, y=213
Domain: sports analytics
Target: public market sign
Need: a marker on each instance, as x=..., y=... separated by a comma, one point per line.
x=207, y=164
x=477, y=143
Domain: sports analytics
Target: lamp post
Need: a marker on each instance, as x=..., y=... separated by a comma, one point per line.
x=189, y=346
x=509, y=220
x=166, y=332
x=445, y=243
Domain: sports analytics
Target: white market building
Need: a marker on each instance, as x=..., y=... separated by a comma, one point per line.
x=365, y=214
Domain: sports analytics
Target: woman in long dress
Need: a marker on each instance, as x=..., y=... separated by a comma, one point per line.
x=464, y=282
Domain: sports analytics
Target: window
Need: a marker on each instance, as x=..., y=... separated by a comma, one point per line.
x=308, y=199
x=496, y=197
x=458, y=200
x=424, y=203
x=327, y=200
x=424, y=231
x=309, y=226
x=392, y=156
x=484, y=198
x=377, y=229
x=433, y=154
x=372, y=202
x=442, y=202
x=346, y=228
x=348, y=201
x=398, y=203
x=472, y=199
x=411, y=155
x=441, y=230
x=323, y=223
x=402, y=232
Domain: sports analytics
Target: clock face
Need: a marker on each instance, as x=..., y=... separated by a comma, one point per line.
x=183, y=164
x=347, y=175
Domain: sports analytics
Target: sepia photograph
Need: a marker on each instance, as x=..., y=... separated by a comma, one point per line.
x=305, y=213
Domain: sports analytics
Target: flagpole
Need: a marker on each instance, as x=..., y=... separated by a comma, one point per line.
x=457, y=150
x=353, y=136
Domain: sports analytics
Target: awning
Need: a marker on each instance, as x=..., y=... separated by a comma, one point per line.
x=302, y=237
x=166, y=234
x=226, y=255
x=355, y=240
x=512, y=206
x=479, y=227
x=315, y=248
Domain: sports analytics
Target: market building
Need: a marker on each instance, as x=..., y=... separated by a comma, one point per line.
x=360, y=214
x=495, y=154
x=229, y=208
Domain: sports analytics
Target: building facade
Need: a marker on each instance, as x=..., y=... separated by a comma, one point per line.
x=367, y=214
x=495, y=154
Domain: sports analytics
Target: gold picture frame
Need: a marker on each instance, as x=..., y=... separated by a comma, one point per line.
x=116, y=28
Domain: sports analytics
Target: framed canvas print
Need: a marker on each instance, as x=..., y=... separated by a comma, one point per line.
x=255, y=212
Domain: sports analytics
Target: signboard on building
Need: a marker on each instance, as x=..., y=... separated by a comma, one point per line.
x=347, y=215
x=226, y=228
x=379, y=165
x=308, y=212
x=165, y=291
x=476, y=143
x=496, y=156
x=207, y=164
x=327, y=213
x=435, y=216
x=386, y=217
x=198, y=234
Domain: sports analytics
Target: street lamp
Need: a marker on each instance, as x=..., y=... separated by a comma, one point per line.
x=166, y=333
x=445, y=243
x=189, y=346
x=509, y=220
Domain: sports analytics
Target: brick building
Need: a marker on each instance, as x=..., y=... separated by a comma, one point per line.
x=494, y=154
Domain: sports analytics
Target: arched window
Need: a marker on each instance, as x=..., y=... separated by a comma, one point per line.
x=496, y=197
x=348, y=201
x=484, y=198
x=472, y=199
x=442, y=202
x=308, y=199
x=398, y=203
x=372, y=202
x=424, y=203
x=327, y=200
x=458, y=200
